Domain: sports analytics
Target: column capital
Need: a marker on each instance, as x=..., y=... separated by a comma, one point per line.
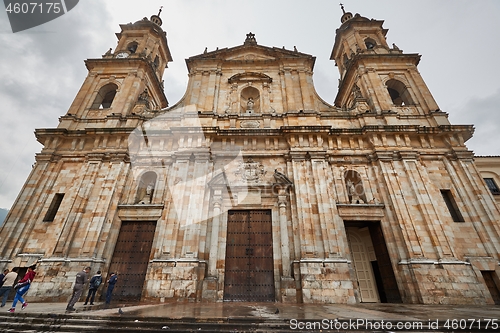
x=282, y=201
x=298, y=155
x=217, y=198
x=318, y=155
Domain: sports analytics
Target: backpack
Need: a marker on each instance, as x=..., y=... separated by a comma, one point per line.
x=97, y=282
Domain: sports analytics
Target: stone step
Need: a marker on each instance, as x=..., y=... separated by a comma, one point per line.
x=67, y=323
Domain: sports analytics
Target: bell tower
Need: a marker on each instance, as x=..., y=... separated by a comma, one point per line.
x=127, y=80
x=382, y=75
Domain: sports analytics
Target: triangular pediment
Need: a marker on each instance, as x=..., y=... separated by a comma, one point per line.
x=250, y=52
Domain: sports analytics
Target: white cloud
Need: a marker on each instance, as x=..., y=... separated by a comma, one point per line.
x=484, y=113
x=42, y=69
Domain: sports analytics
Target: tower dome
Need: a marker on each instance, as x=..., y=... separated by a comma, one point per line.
x=156, y=18
x=346, y=16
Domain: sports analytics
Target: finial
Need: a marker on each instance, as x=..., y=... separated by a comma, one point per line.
x=342, y=6
x=250, y=39
x=345, y=16
x=159, y=12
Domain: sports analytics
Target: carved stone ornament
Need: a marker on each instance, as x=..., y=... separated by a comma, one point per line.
x=249, y=124
x=250, y=171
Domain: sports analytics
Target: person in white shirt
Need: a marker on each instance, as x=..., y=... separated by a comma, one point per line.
x=8, y=283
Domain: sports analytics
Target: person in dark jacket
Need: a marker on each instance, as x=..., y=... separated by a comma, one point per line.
x=95, y=282
x=22, y=287
x=111, y=285
x=81, y=279
x=2, y=276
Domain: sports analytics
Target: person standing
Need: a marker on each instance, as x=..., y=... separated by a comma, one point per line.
x=2, y=276
x=111, y=285
x=22, y=287
x=81, y=279
x=95, y=282
x=8, y=283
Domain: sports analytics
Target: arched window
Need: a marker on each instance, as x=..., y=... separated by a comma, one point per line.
x=370, y=43
x=400, y=95
x=354, y=187
x=250, y=100
x=132, y=47
x=105, y=96
x=146, y=188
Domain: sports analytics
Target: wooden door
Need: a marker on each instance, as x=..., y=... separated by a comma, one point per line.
x=131, y=259
x=359, y=244
x=249, y=274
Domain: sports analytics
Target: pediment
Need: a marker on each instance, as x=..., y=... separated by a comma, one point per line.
x=249, y=53
x=218, y=180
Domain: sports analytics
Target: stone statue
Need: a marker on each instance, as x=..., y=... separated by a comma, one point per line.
x=351, y=191
x=357, y=92
x=148, y=197
x=144, y=96
x=149, y=189
x=108, y=53
x=250, y=105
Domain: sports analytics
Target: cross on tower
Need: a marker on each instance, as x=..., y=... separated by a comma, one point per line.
x=342, y=6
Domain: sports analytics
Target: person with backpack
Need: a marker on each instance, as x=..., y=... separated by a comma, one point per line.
x=94, y=284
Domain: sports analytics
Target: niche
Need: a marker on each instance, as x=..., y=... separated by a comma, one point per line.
x=354, y=187
x=146, y=188
x=250, y=101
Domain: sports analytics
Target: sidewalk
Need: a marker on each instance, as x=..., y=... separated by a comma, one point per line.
x=275, y=311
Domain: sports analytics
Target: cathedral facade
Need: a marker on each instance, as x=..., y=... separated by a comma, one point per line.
x=252, y=188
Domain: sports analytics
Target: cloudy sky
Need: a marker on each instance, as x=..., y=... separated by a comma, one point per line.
x=42, y=68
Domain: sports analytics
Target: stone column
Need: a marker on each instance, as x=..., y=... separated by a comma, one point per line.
x=285, y=247
x=288, y=291
x=214, y=239
x=195, y=211
x=211, y=281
